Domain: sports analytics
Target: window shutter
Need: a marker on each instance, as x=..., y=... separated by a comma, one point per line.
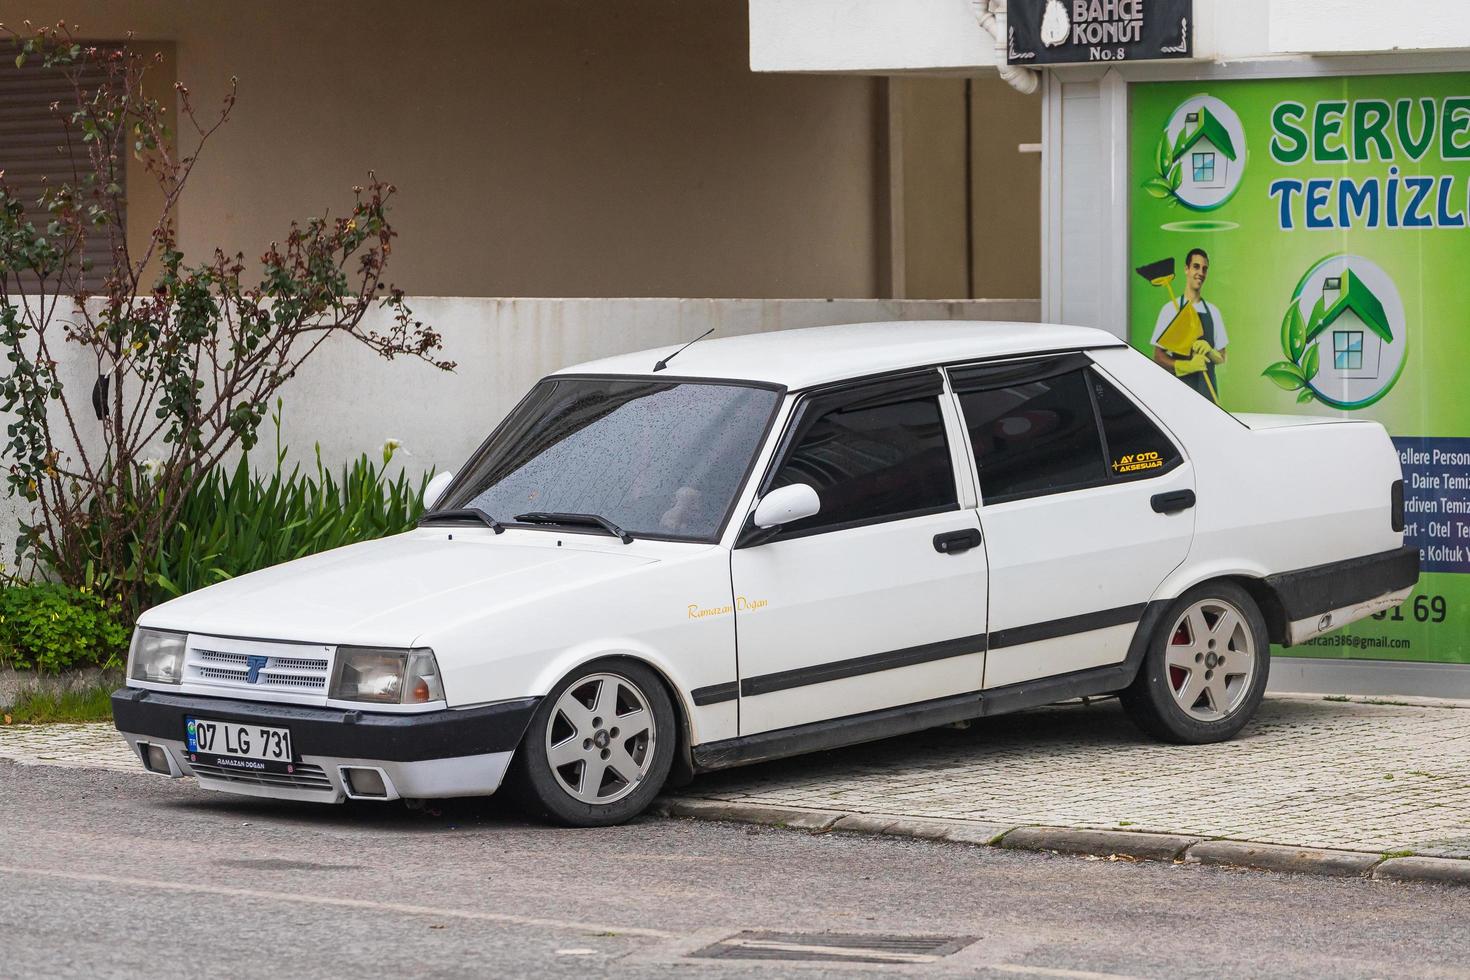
x=33, y=148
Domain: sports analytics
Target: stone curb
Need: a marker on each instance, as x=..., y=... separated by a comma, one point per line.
x=1102, y=843
x=816, y=820
x=1136, y=845
x=1280, y=857
x=1444, y=870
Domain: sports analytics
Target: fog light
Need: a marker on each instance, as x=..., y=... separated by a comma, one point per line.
x=155, y=759
x=365, y=782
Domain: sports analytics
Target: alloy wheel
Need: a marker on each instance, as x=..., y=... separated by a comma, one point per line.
x=1210, y=659
x=600, y=738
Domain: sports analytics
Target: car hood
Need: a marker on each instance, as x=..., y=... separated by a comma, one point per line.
x=393, y=591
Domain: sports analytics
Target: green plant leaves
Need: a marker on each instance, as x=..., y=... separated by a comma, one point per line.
x=1285, y=375
x=49, y=627
x=1305, y=396
x=1163, y=155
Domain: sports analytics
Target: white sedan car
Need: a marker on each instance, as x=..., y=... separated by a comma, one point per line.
x=672, y=562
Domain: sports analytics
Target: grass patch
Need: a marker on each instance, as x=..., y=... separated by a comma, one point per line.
x=1397, y=854
x=90, y=704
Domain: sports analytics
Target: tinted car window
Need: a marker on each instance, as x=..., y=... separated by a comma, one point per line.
x=871, y=463
x=1137, y=449
x=1034, y=437
x=662, y=459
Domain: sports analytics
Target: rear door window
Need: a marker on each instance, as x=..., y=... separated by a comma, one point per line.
x=1033, y=428
x=1054, y=424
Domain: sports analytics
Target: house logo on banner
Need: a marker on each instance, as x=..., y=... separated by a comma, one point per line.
x=1344, y=334
x=1201, y=155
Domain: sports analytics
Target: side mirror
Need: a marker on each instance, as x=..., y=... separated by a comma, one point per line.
x=436, y=489
x=785, y=505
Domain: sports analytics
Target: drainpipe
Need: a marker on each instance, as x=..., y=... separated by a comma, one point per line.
x=992, y=14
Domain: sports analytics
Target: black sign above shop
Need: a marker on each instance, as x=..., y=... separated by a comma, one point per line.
x=1056, y=32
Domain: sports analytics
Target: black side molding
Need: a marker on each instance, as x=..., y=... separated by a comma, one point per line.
x=715, y=693
x=838, y=669
x=1054, y=628
x=888, y=722
x=1313, y=591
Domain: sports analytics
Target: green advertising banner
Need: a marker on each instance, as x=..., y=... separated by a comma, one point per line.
x=1320, y=231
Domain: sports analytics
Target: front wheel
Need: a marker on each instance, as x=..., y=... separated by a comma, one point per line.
x=1205, y=671
x=599, y=746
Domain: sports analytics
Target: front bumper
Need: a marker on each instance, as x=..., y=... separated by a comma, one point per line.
x=454, y=752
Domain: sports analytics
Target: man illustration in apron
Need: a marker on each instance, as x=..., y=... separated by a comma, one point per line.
x=1208, y=351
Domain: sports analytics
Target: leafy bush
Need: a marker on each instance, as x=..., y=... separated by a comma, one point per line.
x=188, y=355
x=236, y=522
x=48, y=626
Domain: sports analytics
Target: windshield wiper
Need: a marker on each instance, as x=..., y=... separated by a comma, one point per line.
x=558, y=517
x=460, y=515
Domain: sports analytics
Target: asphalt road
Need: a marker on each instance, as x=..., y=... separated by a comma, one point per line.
x=106, y=874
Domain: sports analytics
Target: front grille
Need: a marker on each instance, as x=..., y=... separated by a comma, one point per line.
x=305, y=776
x=252, y=667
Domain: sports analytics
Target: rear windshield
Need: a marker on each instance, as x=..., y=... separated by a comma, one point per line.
x=659, y=459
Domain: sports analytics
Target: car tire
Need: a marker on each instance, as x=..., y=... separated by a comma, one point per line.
x=1205, y=669
x=599, y=746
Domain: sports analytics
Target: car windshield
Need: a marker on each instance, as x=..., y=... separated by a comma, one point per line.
x=656, y=458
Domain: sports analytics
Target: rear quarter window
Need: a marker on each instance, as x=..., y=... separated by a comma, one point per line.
x=1136, y=448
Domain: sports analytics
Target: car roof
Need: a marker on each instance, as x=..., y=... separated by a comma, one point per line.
x=819, y=355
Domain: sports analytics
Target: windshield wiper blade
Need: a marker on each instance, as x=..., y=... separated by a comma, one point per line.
x=461, y=514
x=558, y=517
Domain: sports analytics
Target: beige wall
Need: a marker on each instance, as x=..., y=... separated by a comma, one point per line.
x=966, y=202
x=930, y=220
x=1005, y=189
x=541, y=147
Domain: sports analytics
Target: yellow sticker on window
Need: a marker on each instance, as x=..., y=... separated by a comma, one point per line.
x=1136, y=462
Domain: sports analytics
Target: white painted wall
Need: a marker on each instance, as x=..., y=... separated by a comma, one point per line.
x=349, y=401
x=944, y=35
x=1362, y=26
x=866, y=35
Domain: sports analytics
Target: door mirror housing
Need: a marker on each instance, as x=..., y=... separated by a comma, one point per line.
x=785, y=505
x=436, y=488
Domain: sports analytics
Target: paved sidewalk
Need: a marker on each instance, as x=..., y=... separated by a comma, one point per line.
x=1308, y=772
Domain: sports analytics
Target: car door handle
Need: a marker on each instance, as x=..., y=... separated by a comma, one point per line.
x=1172, y=502
x=953, y=542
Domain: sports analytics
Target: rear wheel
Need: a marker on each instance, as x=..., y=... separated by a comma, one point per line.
x=599, y=746
x=1206, y=667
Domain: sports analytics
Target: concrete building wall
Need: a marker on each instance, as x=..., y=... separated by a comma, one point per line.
x=546, y=148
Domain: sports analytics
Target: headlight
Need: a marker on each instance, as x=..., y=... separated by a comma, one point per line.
x=386, y=676
x=156, y=656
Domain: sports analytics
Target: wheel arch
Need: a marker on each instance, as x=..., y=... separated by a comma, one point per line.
x=1253, y=579
x=683, y=767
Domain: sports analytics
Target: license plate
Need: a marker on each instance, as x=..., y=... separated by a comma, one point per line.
x=239, y=745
